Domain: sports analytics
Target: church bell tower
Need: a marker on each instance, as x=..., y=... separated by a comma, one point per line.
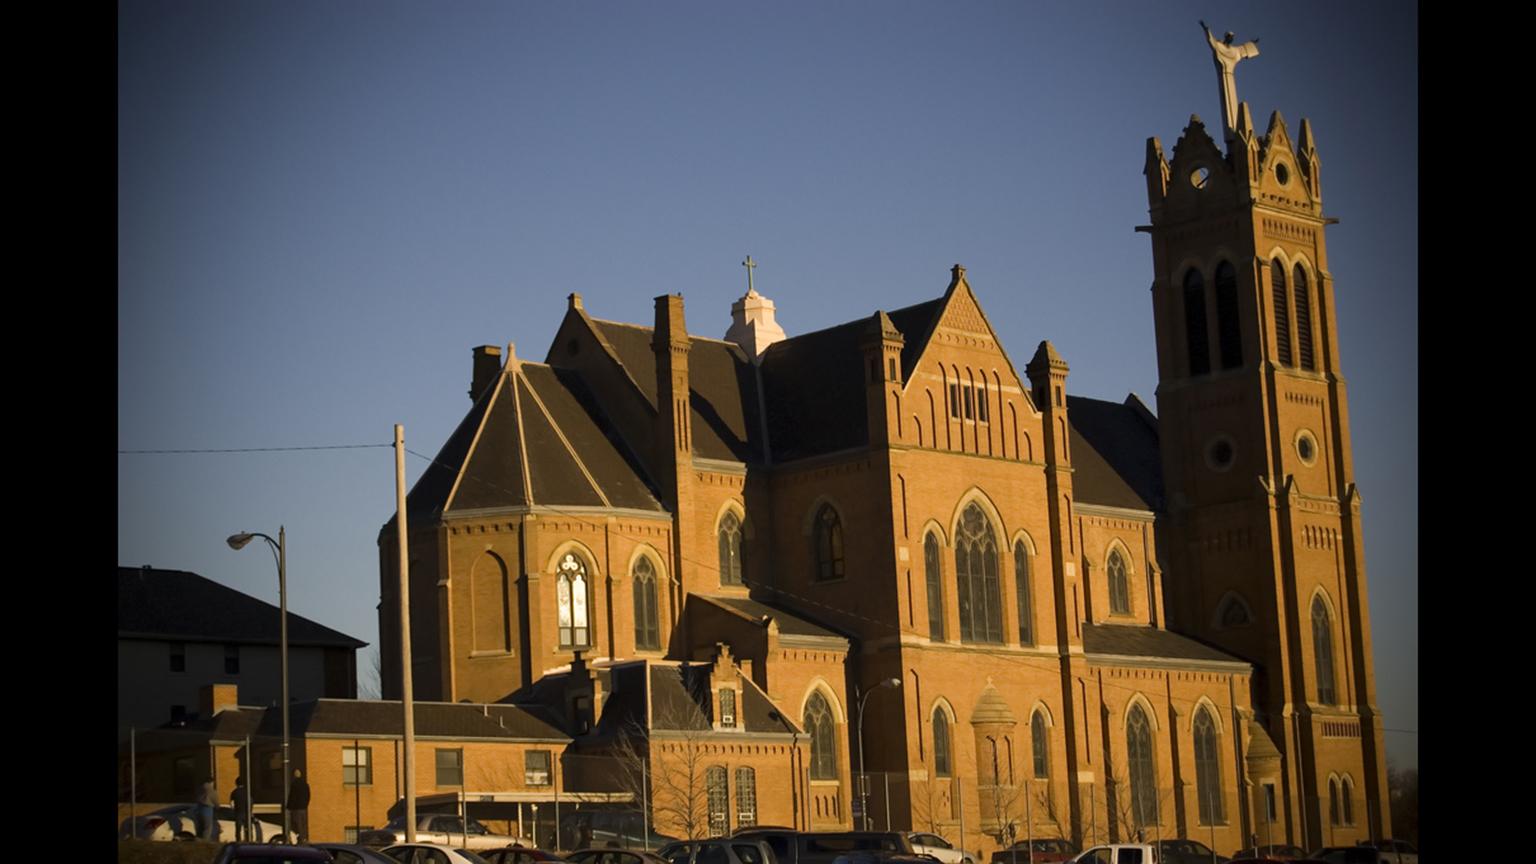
x=1265, y=557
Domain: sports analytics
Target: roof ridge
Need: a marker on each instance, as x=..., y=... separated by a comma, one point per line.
x=565, y=441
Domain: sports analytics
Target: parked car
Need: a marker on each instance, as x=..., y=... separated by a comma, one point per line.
x=1046, y=851
x=1182, y=851
x=179, y=822
x=352, y=853
x=435, y=828
x=610, y=855
x=1397, y=851
x=431, y=853
x=736, y=850
x=1281, y=851
x=823, y=847
x=596, y=829
x=521, y=855
x=270, y=853
x=1350, y=855
x=937, y=847
x=1119, y=853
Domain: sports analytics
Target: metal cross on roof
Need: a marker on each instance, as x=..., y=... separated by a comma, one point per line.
x=749, y=264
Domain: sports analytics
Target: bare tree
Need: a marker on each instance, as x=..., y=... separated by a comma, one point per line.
x=1125, y=824
x=666, y=768
x=370, y=684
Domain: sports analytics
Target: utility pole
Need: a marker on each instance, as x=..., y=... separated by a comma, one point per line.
x=405, y=639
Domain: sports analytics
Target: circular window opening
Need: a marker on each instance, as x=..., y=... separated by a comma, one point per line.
x=1219, y=454
x=1306, y=447
x=1199, y=177
x=1282, y=173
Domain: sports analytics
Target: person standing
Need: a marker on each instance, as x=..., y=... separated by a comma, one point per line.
x=298, y=806
x=241, y=798
x=207, y=798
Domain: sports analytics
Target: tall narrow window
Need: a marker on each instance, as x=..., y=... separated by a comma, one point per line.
x=1333, y=801
x=981, y=612
x=717, y=794
x=1348, y=794
x=727, y=698
x=1023, y=588
x=730, y=550
x=1322, y=651
x=818, y=725
x=935, y=587
x=943, y=764
x=1119, y=585
x=829, y=544
x=954, y=401
x=571, y=597
x=1228, y=323
x=983, y=410
x=1197, y=338
x=1138, y=751
x=1304, y=322
x=746, y=797
x=1207, y=769
x=647, y=617
x=1040, y=746
x=1282, y=314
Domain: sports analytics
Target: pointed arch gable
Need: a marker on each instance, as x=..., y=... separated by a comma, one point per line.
x=984, y=501
x=932, y=526
x=1140, y=699
x=1204, y=703
x=818, y=684
x=1044, y=710
x=808, y=518
x=732, y=505
x=490, y=604
x=645, y=550
x=552, y=563
x=1228, y=600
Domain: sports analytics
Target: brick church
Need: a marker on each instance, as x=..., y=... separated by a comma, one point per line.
x=1061, y=616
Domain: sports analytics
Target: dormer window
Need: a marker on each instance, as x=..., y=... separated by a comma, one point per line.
x=728, y=708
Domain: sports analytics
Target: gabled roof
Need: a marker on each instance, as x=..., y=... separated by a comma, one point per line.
x=681, y=700
x=432, y=720
x=1120, y=640
x=182, y=606
x=789, y=624
x=533, y=438
x=1115, y=456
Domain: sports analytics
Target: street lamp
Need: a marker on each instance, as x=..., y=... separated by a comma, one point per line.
x=280, y=553
x=864, y=774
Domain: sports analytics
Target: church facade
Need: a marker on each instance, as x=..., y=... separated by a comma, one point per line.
x=1061, y=616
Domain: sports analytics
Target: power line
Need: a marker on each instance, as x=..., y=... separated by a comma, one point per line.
x=256, y=449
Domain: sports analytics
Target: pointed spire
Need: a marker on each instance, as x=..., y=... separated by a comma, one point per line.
x=1307, y=146
x=956, y=274
x=1156, y=171
x=1245, y=123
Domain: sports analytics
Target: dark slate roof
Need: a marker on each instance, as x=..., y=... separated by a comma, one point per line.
x=722, y=388
x=175, y=604
x=916, y=324
x=1126, y=641
x=539, y=419
x=1115, y=457
x=789, y=624
x=814, y=388
x=680, y=696
x=433, y=719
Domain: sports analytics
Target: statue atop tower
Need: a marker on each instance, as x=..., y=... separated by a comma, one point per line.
x=1227, y=56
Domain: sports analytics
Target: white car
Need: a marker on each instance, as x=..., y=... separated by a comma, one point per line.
x=1119, y=853
x=179, y=822
x=431, y=853
x=937, y=847
x=433, y=828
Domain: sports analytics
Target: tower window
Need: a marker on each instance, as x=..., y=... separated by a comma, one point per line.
x=1119, y=585
x=1282, y=315
x=1197, y=339
x=818, y=726
x=970, y=407
x=954, y=401
x=943, y=765
x=981, y=614
x=1022, y=588
x=982, y=414
x=730, y=550
x=571, y=599
x=1207, y=769
x=1322, y=651
x=1304, y=322
x=829, y=545
x=1040, y=746
x=647, y=621
x=1227, y=321
x=935, y=587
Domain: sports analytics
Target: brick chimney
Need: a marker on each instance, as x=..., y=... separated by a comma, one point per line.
x=487, y=364
x=213, y=698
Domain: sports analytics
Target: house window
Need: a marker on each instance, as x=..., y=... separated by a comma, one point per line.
x=1207, y=770
x=1138, y=751
x=728, y=707
x=935, y=587
x=231, y=659
x=571, y=595
x=829, y=544
x=1023, y=589
x=450, y=767
x=1282, y=314
x=717, y=794
x=943, y=765
x=356, y=766
x=981, y=613
x=1041, y=744
x=178, y=657
x=1322, y=650
x=730, y=550
x=1197, y=340
x=536, y=768
x=1228, y=324
x=746, y=797
x=1119, y=585
x=818, y=725
x=647, y=617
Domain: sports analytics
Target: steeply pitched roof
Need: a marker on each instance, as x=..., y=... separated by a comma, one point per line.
x=1115, y=454
x=814, y=388
x=680, y=700
x=1120, y=640
x=177, y=605
x=532, y=439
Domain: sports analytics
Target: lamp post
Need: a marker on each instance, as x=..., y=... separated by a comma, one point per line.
x=864, y=774
x=280, y=553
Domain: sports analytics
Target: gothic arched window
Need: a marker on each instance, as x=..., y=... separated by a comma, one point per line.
x=819, y=726
x=1304, y=322
x=1228, y=323
x=647, y=617
x=1040, y=744
x=1023, y=589
x=1348, y=793
x=943, y=761
x=981, y=612
x=1207, y=769
x=730, y=550
x=1119, y=584
x=1322, y=651
x=1196, y=338
x=1282, y=315
x=1333, y=801
x=1138, y=751
x=931, y=573
x=571, y=594
x=829, y=544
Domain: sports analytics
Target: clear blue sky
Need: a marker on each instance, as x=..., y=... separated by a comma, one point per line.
x=323, y=206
